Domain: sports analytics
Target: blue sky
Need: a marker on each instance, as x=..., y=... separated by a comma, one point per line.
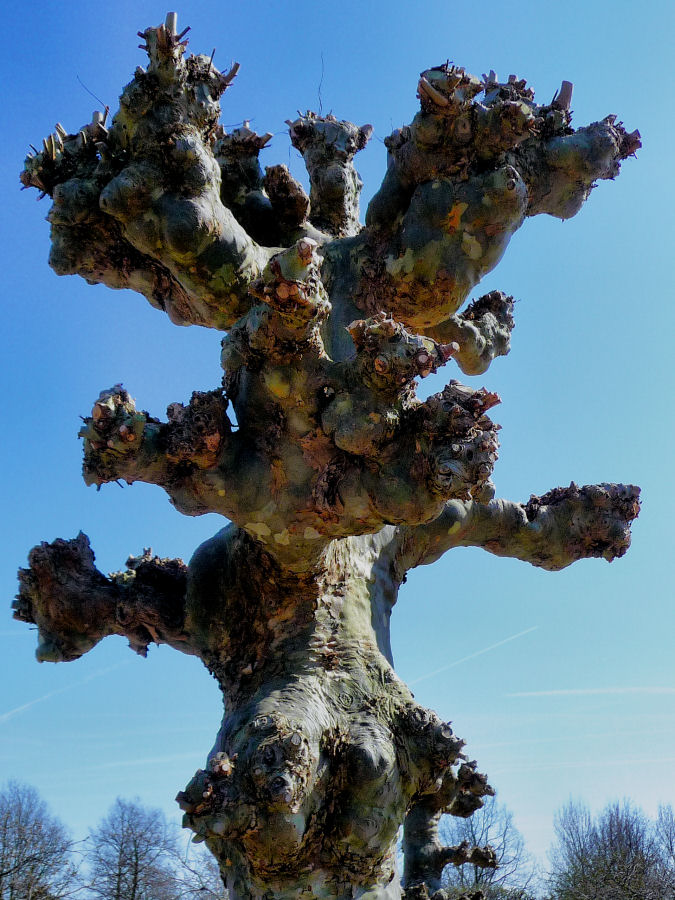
x=562, y=684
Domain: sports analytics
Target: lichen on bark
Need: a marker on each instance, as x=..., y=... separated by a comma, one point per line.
x=337, y=478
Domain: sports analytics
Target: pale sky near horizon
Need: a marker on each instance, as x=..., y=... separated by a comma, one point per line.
x=563, y=685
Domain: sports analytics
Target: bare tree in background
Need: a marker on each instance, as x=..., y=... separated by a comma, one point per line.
x=665, y=838
x=135, y=854
x=618, y=855
x=513, y=876
x=199, y=875
x=35, y=850
x=131, y=855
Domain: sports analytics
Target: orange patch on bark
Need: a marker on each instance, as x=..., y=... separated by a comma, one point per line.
x=451, y=222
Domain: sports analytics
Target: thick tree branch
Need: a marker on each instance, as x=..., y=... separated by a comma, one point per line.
x=151, y=182
x=452, y=232
x=121, y=442
x=460, y=181
x=482, y=332
x=561, y=172
x=290, y=203
x=459, y=793
x=328, y=147
x=75, y=606
x=552, y=531
x=85, y=242
x=273, y=207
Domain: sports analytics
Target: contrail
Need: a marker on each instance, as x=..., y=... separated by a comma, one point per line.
x=5, y=717
x=576, y=738
x=151, y=760
x=594, y=692
x=585, y=763
x=464, y=659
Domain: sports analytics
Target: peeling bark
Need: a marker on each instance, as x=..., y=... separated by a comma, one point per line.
x=338, y=479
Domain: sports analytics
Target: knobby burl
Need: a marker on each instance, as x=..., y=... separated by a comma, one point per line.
x=337, y=479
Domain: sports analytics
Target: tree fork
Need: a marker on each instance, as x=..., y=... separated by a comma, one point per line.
x=338, y=479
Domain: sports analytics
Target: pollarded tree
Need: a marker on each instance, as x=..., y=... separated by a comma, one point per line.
x=338, y=479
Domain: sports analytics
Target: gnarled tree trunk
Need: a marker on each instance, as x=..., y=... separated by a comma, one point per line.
x=337, y=480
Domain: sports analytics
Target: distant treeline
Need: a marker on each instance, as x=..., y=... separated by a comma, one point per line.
x=135, y=854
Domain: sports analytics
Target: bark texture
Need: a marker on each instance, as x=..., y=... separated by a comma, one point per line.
x=338, y=479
